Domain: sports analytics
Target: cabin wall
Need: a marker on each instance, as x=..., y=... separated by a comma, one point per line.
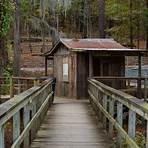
x=110, y=66
x=82, y=75
x=66, y=85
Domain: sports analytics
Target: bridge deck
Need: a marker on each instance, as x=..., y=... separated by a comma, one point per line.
x=71, y=124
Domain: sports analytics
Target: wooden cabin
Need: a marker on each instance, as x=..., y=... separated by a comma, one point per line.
x=77, y=59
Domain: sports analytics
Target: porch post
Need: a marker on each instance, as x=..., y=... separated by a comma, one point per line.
x=90, y=65
x=139, y=76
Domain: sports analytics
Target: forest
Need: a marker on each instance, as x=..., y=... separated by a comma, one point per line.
x=125, y=21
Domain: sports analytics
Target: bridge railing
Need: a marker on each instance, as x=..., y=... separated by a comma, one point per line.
x=20, y=84
x=127, y=84
x=109, y=105
x=20, y=117
x=10, y=86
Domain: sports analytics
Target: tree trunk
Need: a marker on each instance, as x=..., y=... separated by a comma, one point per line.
x=17, y=51
x=3, y=56
x=102, y=18
x=87, y=19
x=147, y=27
x=131, y=24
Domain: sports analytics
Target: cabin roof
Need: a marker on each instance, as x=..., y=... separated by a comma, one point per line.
x=93, y=45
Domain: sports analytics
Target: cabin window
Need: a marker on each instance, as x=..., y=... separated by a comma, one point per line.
x=65, y=69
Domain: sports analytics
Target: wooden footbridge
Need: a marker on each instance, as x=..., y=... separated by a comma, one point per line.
x=35, y=119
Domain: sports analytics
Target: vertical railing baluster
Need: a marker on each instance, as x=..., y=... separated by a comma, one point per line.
x=105, y=107
x=26, y=121
x=145, y=89
x=99, y=100
x=11, y=88
x=146, y=133
x=33, y=130
x=2, y=145
x=19, y=86
x=16, y=125
x=132, y=124
x=111, y=111
x=36, y=82
x=120, y=121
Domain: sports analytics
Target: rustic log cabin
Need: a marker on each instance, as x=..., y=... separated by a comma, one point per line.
x=74, y=60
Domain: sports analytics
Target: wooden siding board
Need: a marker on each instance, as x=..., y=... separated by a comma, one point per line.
x=82, y=75
x=65, y=88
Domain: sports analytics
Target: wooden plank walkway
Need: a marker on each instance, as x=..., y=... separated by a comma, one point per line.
x=71, y=124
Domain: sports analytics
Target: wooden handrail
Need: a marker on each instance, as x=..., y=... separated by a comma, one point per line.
x=34, y=103
x=101, y=95
x=118, y=78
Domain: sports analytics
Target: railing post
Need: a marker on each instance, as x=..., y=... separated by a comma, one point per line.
x=111, y=111
x=100, y=99
x=36, y=82
x=105, y=107
x=16, y=126
x=145, y=89
x=19, y=86
x=26, y=117
x=146, y=133
x=132, y=124
x=2, y=145
x=33, y=130
x=11, y=88
x=120, y=121
x=128, y=83
x=53, y=88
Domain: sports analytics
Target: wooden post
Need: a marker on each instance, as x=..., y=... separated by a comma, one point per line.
x=33, y=130
x=139, y=77
x=145, y=88
x=132, y=124
x=90, y=65
x=105, y=107
x=19, y=86
x=46, y=70
x=26, y=117
x=2, y=145
x=16, y=126
x=11, y=88
x=36, y=82
x=111, y=111
x=120, y=121
x=128, y=83
x=146, y=133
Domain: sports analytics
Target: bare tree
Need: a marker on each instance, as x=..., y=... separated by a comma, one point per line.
x=17, y=50
x=102, y=18
x=131, y=23
x=147, y=27
x=87, y=19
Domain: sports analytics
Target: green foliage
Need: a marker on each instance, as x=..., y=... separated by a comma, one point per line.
x=5, y=16
x=140, y=140
x=5, y=88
